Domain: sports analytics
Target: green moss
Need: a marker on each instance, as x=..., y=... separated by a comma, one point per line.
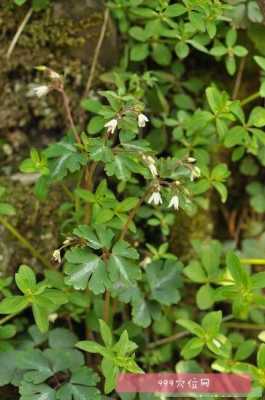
x=37, y=222
x=186, y=229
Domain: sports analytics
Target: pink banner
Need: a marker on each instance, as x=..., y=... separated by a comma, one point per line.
x=222, y=384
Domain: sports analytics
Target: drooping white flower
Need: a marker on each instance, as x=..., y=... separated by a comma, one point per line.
x=39, y=90
x=155, y=198
x=53, y=74
x=142, y=120
x=191, y=159
x=111, y=125
x=57, y=256
x=195, y=173
x=151, y=163
x=174, y=202
x=52, y=317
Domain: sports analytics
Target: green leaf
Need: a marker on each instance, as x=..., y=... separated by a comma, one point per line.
x=260, y=61
x=161, y=54
x=237, y=271
x=261, y=356
x=7, y=209
x=105, y=333
x=141, y=312
x=192, y=348
x=245, y=349
x=36, y=364
x=64, y=158
x=91, y=347
x=20, y=2
x=191, y=326
x=139, y=52
x=25, y=279
x=85, y=269
x=81, y=386
x=13, y=304
x=257, y=117
x=222, y=190
x=7, y=331
x=41, y=317
x=164, y=279
x=61, y=338
x=96, y=124
x=205, y=297
x=29, y=391
x=91, y=105
x=195, y=272
x=182, y=50
x=175, y=10
x=85, y=232
x=220, y=173
x=237, y=135
x=211, y=322
x=121, y=265
x=258, y=280
x=110, y=372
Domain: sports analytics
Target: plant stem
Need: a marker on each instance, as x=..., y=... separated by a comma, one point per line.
x=25, y=243
x=89, y=186
x=68, y=192
x=97, y=52
x=250, y=98
x=167, y=340
x=69, y=116
x=253, y=261
x=18, y=33
x=239, y=78
x=133, y=213
x=245, y=325
x=9, y=317
x=106, y=315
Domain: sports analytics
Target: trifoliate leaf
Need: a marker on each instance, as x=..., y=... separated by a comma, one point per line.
x=85, y=269
x=164, y=279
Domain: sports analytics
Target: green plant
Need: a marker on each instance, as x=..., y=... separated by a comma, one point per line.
x=169, y=137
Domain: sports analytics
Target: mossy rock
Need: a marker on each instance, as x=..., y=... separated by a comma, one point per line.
x=186, y=229
x=36, y=221
x=62, y=37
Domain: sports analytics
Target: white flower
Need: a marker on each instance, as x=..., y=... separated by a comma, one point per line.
x=150, y=161
x=57, y=256
x=174, y=202
x=53, y=74
x=52, y=317
x=191, y=159
x=39, y=91
x=111, y=125
x=195, y=173
x=142, y=120
x=155, y=198
x=153, y=170
x=145, y=262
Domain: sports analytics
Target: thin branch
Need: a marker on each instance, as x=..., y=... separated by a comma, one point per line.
x=97, y=52
x=239, y=78
x=133, y=213
x=9, y=317
x=106, y=312
x=250, y=98
x=69, y=116
x=167, y=340
x=245, y=325
x=253, y=261
x=25, y=243
x=18, y=33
